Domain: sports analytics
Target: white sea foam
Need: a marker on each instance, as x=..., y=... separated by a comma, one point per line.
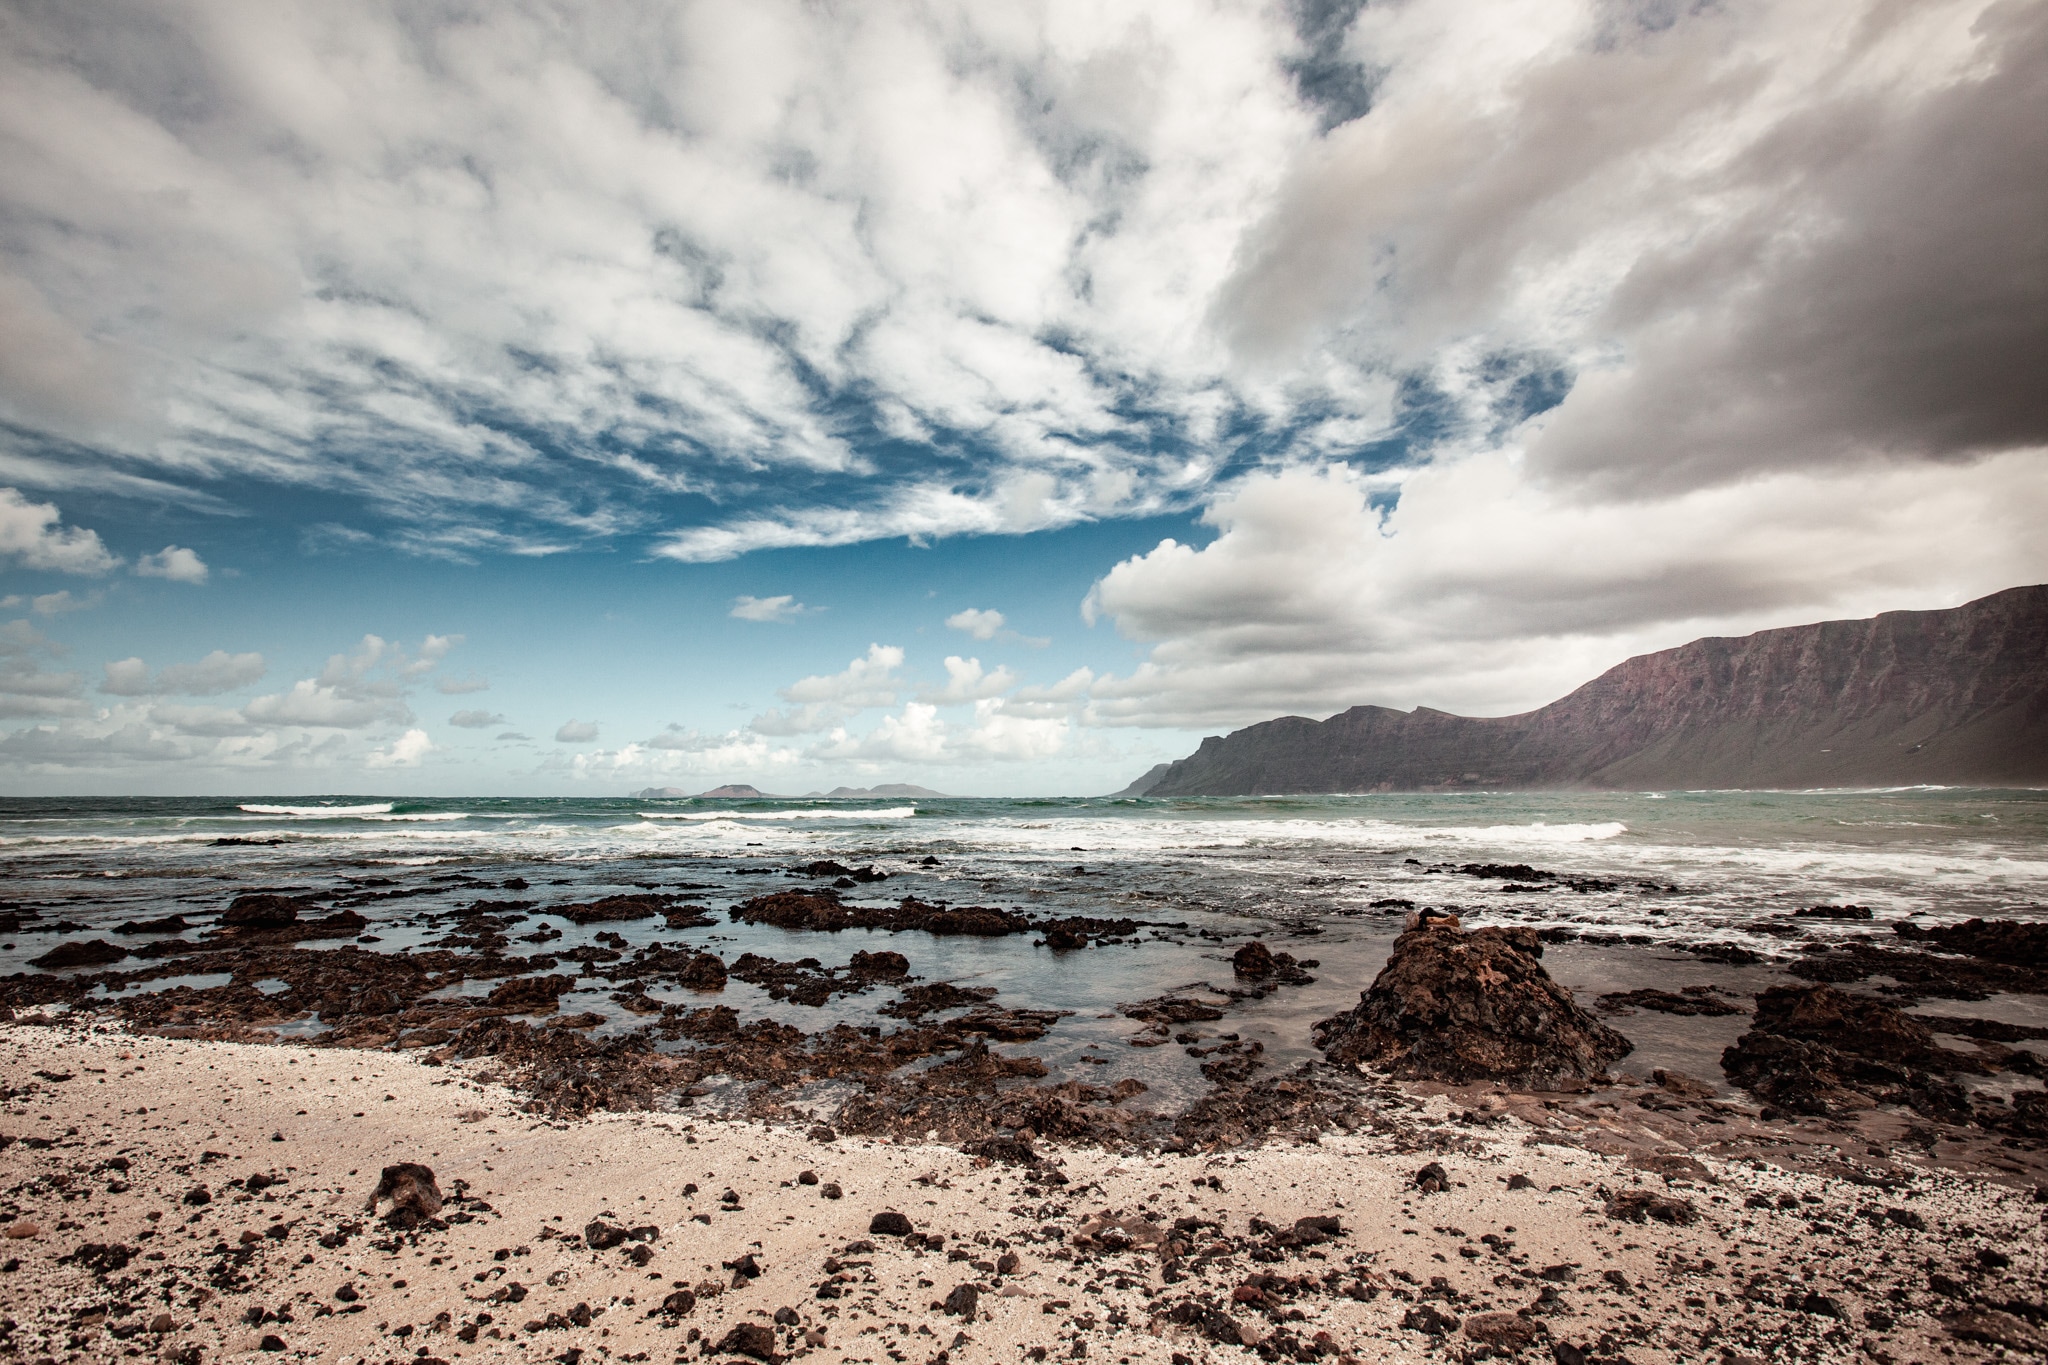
x=321, y=812
x=892, y=813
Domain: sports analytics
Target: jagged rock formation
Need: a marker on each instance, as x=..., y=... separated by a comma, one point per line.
x=1459, y=1007
x=1954, y=697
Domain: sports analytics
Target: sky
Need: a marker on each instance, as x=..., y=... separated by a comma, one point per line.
x=566, y=398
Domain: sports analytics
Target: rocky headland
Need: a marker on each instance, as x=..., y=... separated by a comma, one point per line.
x=1957, y=696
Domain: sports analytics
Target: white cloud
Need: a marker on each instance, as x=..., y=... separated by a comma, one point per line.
x=677, y=752
x=920, y=736
x=30, y=533
x=126, y=678
x=475, y=720
x=218, y=672
x=431, y=652
x=1486, y=592
x=62, y=601
x=461, y=687
x=777, y=609
x=982, y=625
x=213, y=722
x=576, y=732
x=313, y=703
x=404, y=752
x=177, y=564
x=826, y=699
x=965, y=682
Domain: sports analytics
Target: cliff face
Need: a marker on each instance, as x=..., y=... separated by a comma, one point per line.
x=1957, y=696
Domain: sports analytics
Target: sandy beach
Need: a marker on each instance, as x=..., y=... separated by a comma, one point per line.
x=713, y=1242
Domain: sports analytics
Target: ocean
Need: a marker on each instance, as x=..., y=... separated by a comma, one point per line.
x=1633, y=885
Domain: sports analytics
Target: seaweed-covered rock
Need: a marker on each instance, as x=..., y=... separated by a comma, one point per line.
x=1464, y=1007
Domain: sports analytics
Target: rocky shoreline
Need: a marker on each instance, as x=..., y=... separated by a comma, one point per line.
x=1463, y=1043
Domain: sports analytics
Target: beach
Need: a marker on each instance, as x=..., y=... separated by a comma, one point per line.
x=1802, y=1116
x=1529, y=1245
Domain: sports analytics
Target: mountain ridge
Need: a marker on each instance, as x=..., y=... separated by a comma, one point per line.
x=1952, y=696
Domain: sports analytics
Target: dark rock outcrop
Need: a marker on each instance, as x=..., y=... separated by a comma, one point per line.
x=264, y=910
x=826, y=914
x=1817, y=1050
x=1465, y=1007
x=91, y=952
x=1955, y=696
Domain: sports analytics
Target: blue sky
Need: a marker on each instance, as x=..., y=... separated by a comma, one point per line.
x=379, y=383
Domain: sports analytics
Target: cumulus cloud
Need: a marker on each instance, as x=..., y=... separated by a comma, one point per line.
x=823, y=700
x=1486, y=592
x=175, y=563
x=982, y=625
x=461, y=687
x=313, y=703
x=31, y=534
x=404, y=752
x=678, y=751
x=966, y=681
x=431, y=652
x=777, y=609
x=920, y=735
x=576, y=732
x=475, y=720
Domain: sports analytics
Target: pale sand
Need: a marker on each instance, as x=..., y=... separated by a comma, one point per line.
x=342, y=1115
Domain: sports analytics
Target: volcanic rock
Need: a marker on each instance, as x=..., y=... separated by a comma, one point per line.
x=414, y=1195
x=1817, y=1050
x=1691, y=1002
x=751, y=1339
x=91, y=952
x=612, y=910
x=264, y=910
x=825, y=913
x=169, y=924
x=2014, y=942
x=1466, y=1007
x=531, y=994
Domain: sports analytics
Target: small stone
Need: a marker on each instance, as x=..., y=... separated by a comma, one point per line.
x=24, y=1230
x=830, y=1190
x=163, y=1322
x=807, y=1178
x=889, y=1223
x=271, y=1342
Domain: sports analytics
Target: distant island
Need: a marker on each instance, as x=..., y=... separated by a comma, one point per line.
x=887, y=790
x=1956, y=697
